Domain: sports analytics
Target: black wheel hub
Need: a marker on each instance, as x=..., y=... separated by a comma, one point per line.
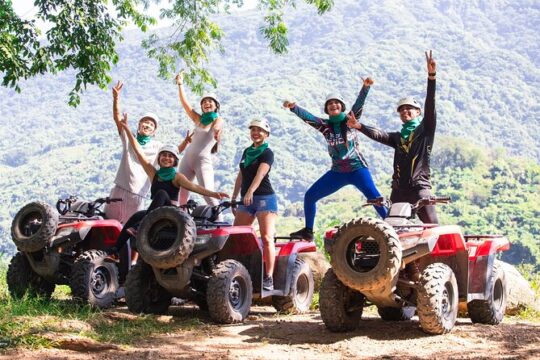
x=100, y=281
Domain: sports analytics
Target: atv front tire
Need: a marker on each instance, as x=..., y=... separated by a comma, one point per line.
x=166, y=237
x=437, y=301
x=301, y=291
x=341, y=307
x=33, y=226
x=366, y=254
x=491, y=311
x=143, y=292
x=94, y=280
x=229, y=292
x=21, y=279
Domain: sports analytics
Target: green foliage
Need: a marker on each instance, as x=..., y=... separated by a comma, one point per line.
x=84, y=35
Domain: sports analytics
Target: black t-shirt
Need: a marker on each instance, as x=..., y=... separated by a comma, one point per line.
x=248, y=173
x=168, y=186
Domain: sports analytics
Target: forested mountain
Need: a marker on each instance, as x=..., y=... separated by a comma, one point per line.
x=488, y=87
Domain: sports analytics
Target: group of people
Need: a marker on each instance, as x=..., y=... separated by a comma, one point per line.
x=148, y=165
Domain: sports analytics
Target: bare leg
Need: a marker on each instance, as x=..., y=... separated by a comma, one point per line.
x=267, y=227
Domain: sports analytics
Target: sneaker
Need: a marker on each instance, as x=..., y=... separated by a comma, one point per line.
x=305, y=234
x=268, y=283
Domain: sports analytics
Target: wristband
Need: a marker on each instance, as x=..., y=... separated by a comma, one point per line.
x=432, y=74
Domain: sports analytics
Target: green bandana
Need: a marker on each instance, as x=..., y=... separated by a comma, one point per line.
x=143, y=139
x=252, y=153
x=409, y=127
x=337, y=118
x=208, y=117
x=166, y=174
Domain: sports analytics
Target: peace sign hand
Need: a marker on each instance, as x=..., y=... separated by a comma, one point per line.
x=180, y=78
x=367, y=81
x=116, y=89
x=431, y=64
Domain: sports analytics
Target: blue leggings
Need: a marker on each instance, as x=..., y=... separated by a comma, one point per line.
x=331, y=182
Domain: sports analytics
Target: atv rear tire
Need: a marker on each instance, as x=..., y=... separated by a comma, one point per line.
x=166, y=237
x=21, y=279
x=229, y=292
x=33, y=226
x=94, y=280
x=396, y=314
x=491, y=311
x=143, y=292
x=300, y=293
x=366, y=254
x=341, y=307
x=437, y=300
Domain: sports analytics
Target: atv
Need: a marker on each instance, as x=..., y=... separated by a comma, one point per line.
x=403, y=267
x=187, y=253
x=66, y=246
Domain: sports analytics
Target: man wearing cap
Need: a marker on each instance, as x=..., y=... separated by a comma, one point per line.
x=131, y=182
x=413, y=144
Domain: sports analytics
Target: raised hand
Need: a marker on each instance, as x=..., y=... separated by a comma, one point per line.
x=117, y=88
x=180, y=78
x=124, y=121
x=367, y=81
x=187, y=140
x=288, y=104
x=352, y=122
x=431, y=64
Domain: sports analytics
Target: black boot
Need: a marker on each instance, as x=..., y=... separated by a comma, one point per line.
x=305, y=234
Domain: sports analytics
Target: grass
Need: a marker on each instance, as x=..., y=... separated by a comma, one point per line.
x=533, y=277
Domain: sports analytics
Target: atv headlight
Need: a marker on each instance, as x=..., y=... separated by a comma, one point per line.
x=202, y=239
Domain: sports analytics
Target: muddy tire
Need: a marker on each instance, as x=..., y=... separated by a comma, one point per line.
x=491, y=311
x=94, y=280
x=301, y=291
x=21, y=279
x=366, y=254
x=341, y=307
x=33, y=226
x=229, y=292
x=437, y=301
x=143, y=292
x=396, y=314
x=166, y=237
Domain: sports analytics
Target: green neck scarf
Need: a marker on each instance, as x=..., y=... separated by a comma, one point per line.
x=336, y=119
x=409, y=127
x=143, y=139
x=208, y=117
x=166, y=174
x=252, y=153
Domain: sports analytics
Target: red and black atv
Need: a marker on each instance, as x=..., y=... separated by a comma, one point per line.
x=188, y=254
x=404, y=267
x=66, y=246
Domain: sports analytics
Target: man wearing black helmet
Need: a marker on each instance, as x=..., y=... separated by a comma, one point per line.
x=413, y=144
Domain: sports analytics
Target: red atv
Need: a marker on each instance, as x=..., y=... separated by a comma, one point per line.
x=187, y=253
x=65, y=246
x=404, y=267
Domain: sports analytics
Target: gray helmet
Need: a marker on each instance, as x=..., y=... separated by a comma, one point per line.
x=169, y=148
x=150, y=116
x=210, y=96
x=262, y=123
x=409, y=100
x=334, y=96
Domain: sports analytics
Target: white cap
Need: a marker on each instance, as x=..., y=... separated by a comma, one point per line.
x=409, y=100
x=151, y=116
x=334, y=96
x=210, y=96
x=262, y=123
x=169, y=148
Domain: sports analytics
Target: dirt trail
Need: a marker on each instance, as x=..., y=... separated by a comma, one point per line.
x=267, y=336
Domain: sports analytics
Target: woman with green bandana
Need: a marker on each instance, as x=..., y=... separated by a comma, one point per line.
x=197, y=161
x=131, y=183
x=348, y=164
x=166, y=183
x=413, y=145
x=258, y=197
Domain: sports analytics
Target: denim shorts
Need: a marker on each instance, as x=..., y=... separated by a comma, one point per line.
x=261, y=203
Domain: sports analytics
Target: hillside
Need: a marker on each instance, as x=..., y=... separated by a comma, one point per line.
x=488, y=87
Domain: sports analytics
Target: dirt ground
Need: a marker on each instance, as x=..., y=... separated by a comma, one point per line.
x=266, y=335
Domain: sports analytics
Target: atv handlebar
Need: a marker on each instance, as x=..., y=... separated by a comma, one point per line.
x=431, y=200
x=64, y=205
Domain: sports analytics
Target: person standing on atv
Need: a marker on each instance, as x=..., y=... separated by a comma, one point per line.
x=166, y=183
x=412, y=144
x=258, y=197
x=131, y=183
x=197, y=161
x=348, y=164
